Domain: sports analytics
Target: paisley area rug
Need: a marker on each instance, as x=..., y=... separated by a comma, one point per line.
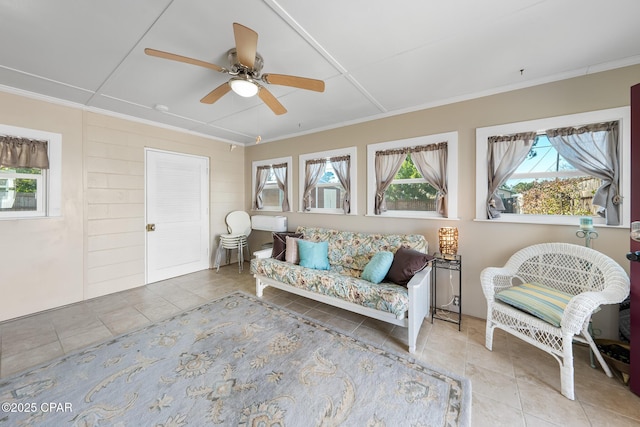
x=236, y=361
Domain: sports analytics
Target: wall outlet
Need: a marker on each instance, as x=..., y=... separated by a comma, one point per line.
x=456, y=300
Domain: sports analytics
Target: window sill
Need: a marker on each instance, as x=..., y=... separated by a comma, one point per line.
x=28, y=218
x=268, y=210
x=328, y=213
x=546, y=221
x=411, y=215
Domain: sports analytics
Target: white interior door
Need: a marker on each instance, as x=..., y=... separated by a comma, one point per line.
x=177, y=214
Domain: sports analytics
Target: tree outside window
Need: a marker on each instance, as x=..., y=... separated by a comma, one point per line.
x=546, y=184
x=409, y=191
x=19, y=189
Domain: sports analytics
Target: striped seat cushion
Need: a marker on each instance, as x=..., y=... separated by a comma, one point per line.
x=539, y=300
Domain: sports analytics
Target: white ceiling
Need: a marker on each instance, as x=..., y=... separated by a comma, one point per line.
x=377, y=57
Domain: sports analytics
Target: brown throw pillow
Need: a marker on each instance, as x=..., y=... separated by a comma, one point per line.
x=406, y=263
x=280, y=243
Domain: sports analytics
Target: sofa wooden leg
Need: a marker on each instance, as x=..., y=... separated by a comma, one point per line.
x=259, y=288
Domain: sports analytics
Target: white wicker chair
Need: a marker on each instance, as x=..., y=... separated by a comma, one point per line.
x=594, y=279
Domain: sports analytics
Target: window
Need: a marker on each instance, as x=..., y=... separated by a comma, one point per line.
x=27, y=191
x=328, y=181
x=543, y=185
x=546, y=184
x=409, y=191
x=414, y=177
x=328, y=192
x=272, y=184
x=22, y=191
x=271, y=194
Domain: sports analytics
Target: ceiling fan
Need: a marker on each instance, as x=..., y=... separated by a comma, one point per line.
x=246, y=66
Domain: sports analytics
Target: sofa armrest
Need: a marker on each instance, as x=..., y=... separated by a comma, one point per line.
x=420, y=277
x=264, y=253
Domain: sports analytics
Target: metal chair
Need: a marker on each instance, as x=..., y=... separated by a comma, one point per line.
x=591, y=277
x=239, y=228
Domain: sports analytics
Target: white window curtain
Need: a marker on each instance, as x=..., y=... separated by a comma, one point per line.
x=387, y=165
x=594, y=149
x=262, y=173
x=431, y=162
x=18, y=152
x=342, y=167
x=313, y=171
x=505, y=154
x=281, y=172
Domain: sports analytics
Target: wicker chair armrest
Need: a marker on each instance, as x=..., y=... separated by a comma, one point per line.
x=582, y=306
x=495, y=279
x=578, y=310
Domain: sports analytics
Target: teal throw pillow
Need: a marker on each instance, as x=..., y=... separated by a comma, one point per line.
x=314, y=255
x=376, y=270
x=542, y=301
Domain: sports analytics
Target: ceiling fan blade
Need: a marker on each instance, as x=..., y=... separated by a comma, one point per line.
x=271, y=101
x=246, y=44
x=216, y=94
x=180, y=58
x=294, y=81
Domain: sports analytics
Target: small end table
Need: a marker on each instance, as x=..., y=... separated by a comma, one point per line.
x=450, y=263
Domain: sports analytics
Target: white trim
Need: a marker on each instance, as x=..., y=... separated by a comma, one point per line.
x=52, y=176
x=353, y=169
x=622, y=114
x=452, y=174
x=254, y=167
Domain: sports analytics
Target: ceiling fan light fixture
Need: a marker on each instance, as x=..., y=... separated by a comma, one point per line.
x=242, y=87
x=246, y=71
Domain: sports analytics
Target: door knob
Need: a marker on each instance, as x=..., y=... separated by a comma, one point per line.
x=633, y=256
x=151, y=227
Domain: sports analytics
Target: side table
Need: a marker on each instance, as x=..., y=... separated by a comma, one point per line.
x=451, y=263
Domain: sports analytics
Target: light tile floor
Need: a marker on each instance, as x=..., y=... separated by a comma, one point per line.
x=514, y=385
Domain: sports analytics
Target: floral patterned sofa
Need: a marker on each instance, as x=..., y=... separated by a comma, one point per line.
x=341, y=285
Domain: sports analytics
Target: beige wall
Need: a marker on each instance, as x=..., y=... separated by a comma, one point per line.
x=481, y=244
x=97, y=246
x=41, y=259
x=114, y=162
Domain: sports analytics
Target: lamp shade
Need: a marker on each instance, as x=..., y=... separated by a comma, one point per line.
x=243, y=87
x=448, y=240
